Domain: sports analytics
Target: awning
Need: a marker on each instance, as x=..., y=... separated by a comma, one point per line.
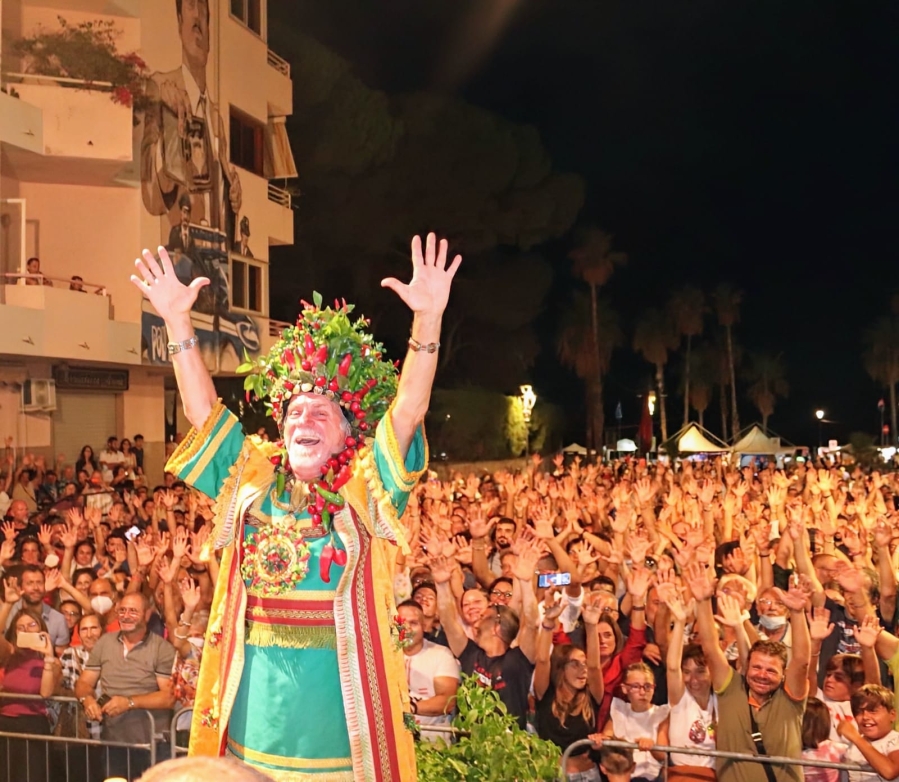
x=279, y=163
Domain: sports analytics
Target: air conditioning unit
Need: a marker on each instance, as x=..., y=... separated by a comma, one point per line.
x=38, y=396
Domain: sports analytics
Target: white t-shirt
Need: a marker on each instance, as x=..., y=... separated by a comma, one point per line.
x=836, y=709
x=5, y=502
x=692, y=726
x=632, y=725
x=885, y=745
x=110, y=458
x=431, y=662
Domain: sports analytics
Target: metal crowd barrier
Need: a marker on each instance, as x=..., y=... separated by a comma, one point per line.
x=83, y=759
x=715, y=753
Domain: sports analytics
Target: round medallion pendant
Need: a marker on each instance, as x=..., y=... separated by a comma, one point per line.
x=274, y=562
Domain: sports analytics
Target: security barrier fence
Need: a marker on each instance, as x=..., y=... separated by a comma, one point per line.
x=718, y=753
x=27, y=757
x=34, y=757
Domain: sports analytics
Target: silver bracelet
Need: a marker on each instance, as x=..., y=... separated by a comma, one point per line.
x=419, y=347
x=187, y=344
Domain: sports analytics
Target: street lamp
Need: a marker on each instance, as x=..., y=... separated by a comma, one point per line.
x=528, y=400
x=819, y=414
x=881, y=405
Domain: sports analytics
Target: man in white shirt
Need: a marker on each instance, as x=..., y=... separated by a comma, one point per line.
x=110, y=457
x=431, y=671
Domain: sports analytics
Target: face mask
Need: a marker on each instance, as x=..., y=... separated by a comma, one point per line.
x=52, y=560
x=101, y=604
x=772, y=622
x=197, y=642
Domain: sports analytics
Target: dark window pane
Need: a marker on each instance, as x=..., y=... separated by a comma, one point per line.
x=254, y=16
x=238, y=284
x=247, y=139
x=237, y=9
x=254, y=298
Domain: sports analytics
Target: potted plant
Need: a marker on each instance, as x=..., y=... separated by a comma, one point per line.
x=86, y=53
x=492, y=748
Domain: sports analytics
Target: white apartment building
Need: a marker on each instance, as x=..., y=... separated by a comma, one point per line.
x=198, y=163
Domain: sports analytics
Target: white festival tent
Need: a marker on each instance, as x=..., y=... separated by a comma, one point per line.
x=694, y=438
x=755, y=441
x=575, y=448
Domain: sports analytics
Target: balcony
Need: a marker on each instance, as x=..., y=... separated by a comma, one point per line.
x=128, y=8
x=57, y=322
x=21, y=124
x=83, y=138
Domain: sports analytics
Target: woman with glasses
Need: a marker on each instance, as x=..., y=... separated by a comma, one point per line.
x=500, y=592
x=637, y=719
x=30, y=667
x=568, y=687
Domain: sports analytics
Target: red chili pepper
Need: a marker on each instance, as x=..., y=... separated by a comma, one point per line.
x=333, y=385
x=310, y=345
x=324, y=562
x=288, y=358
x=342, y=477
x=322, y=355
x=345, y=365
x=248, y=396
x=339, y=557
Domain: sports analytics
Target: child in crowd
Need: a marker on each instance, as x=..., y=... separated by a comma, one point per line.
x=617, y=764
x=874, y=742
x=638, y=720
x=816, y=742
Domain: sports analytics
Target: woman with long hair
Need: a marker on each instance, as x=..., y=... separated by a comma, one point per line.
x=615, y=653
x=29, y=669
x=86, y=461
x=568, y=687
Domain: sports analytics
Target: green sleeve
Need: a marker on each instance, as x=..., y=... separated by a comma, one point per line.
x=399, y=476
x=205, y=457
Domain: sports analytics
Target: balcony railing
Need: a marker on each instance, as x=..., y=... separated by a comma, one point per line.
x=14, y=278
x=279, y=63
x=275, y=327
x=280, y=196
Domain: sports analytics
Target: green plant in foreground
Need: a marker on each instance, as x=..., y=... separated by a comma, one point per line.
x=496, y=750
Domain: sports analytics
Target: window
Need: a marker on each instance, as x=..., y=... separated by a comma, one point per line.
x=246, y=285
x=249, y=12
x=247, y=143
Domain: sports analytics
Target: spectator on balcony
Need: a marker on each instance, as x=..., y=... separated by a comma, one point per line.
x=33, y=265
x=77, y=284
x=245, y=250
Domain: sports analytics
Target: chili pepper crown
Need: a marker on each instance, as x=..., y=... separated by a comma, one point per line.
x=326, y=353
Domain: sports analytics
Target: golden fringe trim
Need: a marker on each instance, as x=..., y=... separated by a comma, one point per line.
x=386, y=436
x=387, y=518
x=187, y=450
x=289, y=637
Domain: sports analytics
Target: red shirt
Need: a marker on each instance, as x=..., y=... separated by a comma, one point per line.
x=23, y=675
x=613, y=673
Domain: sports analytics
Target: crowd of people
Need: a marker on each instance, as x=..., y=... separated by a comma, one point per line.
x=697, y=605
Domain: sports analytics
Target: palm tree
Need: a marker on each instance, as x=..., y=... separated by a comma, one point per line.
x=702, y=380
x=654, y=338
x=767, y=374
x=727, y=300
x=687, y=307
x=577, y=348
x=881, y=359
x=595, y=262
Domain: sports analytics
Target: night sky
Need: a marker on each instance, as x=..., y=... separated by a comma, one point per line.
x=753, y=142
